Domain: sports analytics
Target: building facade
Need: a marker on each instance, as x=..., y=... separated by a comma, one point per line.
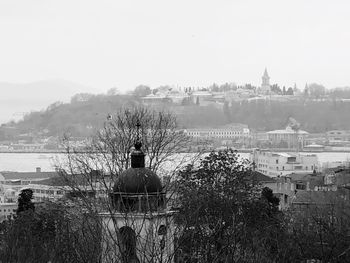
x=232, y=131
x=275, y=164
x=288, y=138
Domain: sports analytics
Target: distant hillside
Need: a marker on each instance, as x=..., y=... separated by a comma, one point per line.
x=77, y=118
x=85, y=113
x=19, y=98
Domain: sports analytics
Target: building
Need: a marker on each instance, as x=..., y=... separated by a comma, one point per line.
x=229, y=132
x=140, y=227
x=279, y=164
x=25, y=178
x=338, y=137
x=265, y=84
x=7, y=211
x=155, y=99
x=287, y=138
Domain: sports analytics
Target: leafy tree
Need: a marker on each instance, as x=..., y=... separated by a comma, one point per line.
x=113, y=91
x=223, y=214
x=284, y=91
x=316, y=90
x=25, y=201
x=276, y=89
x=54, y=232
x=290, y=91
x=142, y=91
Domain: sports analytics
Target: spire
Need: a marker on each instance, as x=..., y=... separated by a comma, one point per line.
x=137, y=156
x=266, y=75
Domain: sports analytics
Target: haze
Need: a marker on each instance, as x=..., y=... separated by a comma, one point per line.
x=103, y=44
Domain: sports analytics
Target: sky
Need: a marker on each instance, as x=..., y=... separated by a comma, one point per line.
x=104, y=44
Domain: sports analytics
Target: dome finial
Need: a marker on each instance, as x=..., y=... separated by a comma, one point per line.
x=137, y=156
x=138, y=143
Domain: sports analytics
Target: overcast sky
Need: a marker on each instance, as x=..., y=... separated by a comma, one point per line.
x=104, y=43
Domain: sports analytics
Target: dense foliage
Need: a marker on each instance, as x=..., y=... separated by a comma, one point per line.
x=52, y=233
x=226, y=216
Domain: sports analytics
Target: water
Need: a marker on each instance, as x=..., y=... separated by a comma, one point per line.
x=27, y=162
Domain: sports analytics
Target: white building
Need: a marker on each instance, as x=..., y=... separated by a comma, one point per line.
x=7, y=211
x=230, y=132
x=288, y=138
x=25, y=178
x=275, y=164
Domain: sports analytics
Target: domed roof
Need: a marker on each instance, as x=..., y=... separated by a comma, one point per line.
x=138, y=180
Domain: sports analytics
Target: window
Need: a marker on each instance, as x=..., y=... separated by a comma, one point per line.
x=128, y=244
x=162, y=230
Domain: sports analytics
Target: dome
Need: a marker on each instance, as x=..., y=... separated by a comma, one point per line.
x=138, y=180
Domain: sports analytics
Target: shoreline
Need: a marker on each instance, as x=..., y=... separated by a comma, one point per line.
x=238, y=150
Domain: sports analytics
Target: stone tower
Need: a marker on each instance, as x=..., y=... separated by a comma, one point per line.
x=265, y=85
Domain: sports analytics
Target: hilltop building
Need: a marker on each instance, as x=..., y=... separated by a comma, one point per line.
x=231, y=131
x=265, y=84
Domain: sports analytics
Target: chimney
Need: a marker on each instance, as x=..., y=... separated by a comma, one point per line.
x=38, y=170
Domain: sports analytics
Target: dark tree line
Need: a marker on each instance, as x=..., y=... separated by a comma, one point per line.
x=314, y=116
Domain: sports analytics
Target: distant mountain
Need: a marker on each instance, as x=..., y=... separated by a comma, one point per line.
x=19, y=98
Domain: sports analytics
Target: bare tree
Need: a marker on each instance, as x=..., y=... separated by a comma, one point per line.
x=92, y=173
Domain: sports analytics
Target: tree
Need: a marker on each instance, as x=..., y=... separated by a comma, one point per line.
x=276, y=89
x=290, y=91
x=320, y=229
x=91, y=175
x=223, y=214
x=25, y=201
x=113, y=91
x=316, y=90
x=54, y=232
x=142, y=91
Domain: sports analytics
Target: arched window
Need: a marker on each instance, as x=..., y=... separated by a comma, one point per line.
x=128, y=245
x=162, y=230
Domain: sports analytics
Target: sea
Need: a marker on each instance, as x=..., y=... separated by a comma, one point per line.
x=28, y=162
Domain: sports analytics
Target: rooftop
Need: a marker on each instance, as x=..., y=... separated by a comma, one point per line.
x=27, y=175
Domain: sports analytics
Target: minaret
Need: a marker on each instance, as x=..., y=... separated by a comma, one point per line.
x=265, y=79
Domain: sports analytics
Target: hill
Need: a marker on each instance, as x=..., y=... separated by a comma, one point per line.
x=20, y=98
x=85, y=113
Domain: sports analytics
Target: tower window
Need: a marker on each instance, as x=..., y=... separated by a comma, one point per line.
x=162, y=230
